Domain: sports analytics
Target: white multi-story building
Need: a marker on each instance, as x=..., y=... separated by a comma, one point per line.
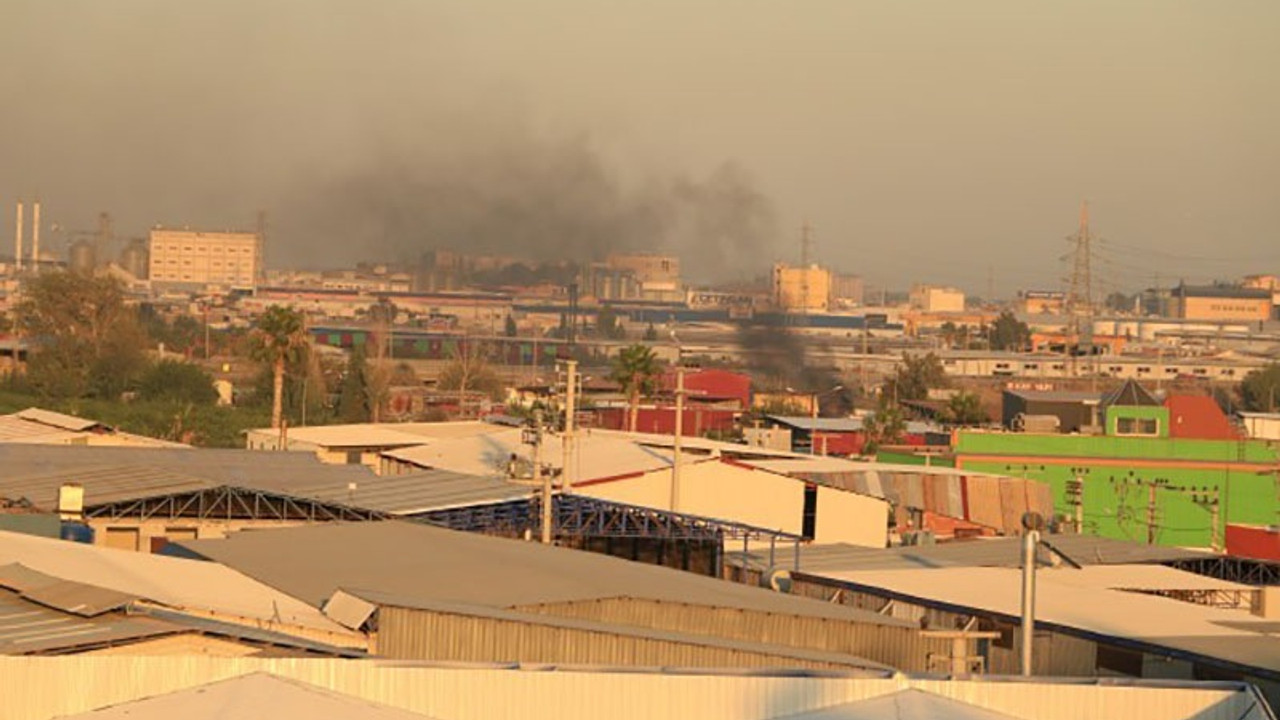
x=206, y=258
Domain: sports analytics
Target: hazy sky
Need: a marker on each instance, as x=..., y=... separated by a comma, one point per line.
x=925, y=141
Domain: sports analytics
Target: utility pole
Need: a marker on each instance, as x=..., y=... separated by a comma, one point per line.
x=17, y=239
x=1151, y=512
x=678, y=443
x=568, y=439
x=1075, y=492
x=1030, y=541
x=535, y=439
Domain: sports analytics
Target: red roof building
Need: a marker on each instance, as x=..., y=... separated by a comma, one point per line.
x=712, y=386
x=1198, y=416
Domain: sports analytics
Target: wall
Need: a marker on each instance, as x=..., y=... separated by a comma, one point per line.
x=133, y=534
x=1215, y=308
x=34, y=689
x=900, y=647
x=753, y=497
x=1114, y=413
x=411, y=634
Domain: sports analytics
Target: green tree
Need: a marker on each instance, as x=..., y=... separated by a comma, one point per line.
x=88, y=338
x=1260, y=389
x=915, y=377
x=885, y=427
x=468, y=371
x=177, y=382
x=353, y=398
x=1009, y=333
x=636, y=370
x=278, y=337
x=607, y=324
x=965, y=408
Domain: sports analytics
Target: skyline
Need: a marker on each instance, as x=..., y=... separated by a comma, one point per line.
x=924, y=143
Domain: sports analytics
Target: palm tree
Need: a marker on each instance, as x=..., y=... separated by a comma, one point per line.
x=278, y=336
x=636, y=370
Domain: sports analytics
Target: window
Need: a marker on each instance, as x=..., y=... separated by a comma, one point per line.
x=1119, y=660
x=1137, y=426
x=809, y=520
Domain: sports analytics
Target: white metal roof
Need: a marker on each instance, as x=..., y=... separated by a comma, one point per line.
x=173, y=582
x=255, y=696
x=35, y=689
x=1107, y=612
x=376, y=434
x=910, y=704
x=595, y=456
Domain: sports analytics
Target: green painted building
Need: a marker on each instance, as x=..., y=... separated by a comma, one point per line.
x=1139, y=481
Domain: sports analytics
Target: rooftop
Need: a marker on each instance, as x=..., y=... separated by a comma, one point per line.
x=1067, y=602
x=430, y=564
x=250, y=697
x=185, y=585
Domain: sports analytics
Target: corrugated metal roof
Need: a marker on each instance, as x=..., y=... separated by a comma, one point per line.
x=66, y=595
x=58, y=420
x=409, y=494
x=433, y=564
x=110, y=475
x=994, y=552
x=910, y=704
x=805, y=422
x=27, y=628
x=256, y=695
x=596, y=455
x=1111, y=613
x=173, y=582
x=635, y=631
x=541, y=692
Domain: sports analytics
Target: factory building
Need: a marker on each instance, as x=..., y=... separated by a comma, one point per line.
x=196, y=257
x=1222, y=302
x=804, y=289
x=935, y=299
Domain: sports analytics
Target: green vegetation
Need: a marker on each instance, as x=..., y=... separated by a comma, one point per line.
x=965, y=408
x=1009, y=333
x=1260, y=389
x=636, y=370
x=917, y=375
x=279, y=337
x=90, y=341
x=204, y=425
x=178, y=382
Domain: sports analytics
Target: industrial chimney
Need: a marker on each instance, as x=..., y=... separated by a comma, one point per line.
x=35, y=236
x=17, y=239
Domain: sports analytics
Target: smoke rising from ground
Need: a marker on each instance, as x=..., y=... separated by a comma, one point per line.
x=535, y=199
x=367, y=132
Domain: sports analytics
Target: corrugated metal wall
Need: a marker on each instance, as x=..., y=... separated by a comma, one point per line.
x=38, y=689
x=429, y=635
x=900, y=647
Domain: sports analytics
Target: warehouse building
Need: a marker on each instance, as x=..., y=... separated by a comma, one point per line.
x=155, y=689
x=1112, y=612
x=429, y=593
x=87, y=581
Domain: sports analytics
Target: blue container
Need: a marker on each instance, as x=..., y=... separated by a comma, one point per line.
x=76, y=532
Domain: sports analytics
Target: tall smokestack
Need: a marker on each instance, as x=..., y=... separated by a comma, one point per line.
x=35, y=236
x=17, y=239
